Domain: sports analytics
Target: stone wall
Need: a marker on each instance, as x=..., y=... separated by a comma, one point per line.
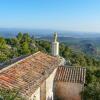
x=36, y=95
x=45, y=91
x=67, y=91
x=49, y=86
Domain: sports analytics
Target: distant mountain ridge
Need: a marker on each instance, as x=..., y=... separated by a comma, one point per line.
x=12, y=32
x=90, y=46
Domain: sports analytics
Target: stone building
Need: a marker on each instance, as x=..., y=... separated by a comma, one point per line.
x=41, y=77
x=69, y=82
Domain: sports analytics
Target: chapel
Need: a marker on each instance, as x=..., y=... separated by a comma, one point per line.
x=41, y=76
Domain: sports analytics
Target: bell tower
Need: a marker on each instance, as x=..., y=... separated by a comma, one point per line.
x=55, y=45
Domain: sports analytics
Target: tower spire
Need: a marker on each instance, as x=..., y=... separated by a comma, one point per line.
x=55, y=45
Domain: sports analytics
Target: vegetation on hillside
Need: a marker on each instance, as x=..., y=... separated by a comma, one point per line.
x=10, y=95
x=24, y=44
x=89, y=46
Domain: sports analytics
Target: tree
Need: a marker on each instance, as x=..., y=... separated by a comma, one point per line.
x=26, y=38
x=97, y=73
x=2, y=43
x=3, y=57
x=19, y=36
x=13, y=42
x=6, y=94
x=44, y=46
x=62, y=48
x=92, y=91
x=66, y=52
x=25, y=48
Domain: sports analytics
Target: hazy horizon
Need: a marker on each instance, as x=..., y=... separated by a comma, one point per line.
x=48, y=29
x=12, y=32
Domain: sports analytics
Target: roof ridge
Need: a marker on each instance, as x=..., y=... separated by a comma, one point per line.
x=9, y=66
x=72, y=67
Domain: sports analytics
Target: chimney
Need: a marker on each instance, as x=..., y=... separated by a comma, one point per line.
x=55, y=46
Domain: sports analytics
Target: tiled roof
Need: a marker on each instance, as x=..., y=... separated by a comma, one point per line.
x=28, y=73
x=71, y=74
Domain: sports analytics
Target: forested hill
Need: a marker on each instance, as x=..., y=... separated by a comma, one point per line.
x=90, y=45
x=24, y=44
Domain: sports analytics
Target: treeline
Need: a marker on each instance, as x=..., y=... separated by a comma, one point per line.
x=11, y=48
x=24, y=44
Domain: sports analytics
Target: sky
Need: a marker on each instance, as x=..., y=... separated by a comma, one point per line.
x=67, y=15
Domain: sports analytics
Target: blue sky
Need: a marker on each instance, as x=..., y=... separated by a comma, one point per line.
x=71, y=15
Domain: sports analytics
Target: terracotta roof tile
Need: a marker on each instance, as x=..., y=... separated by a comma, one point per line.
x=28, y=73
x=71, y=74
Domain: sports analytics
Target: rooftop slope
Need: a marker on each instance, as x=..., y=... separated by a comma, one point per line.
x=27, y=74
x=71, y=74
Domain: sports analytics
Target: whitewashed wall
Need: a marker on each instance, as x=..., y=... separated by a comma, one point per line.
x=49, y=88
x=36, y=95
x=55, y=48
x=49, y=85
